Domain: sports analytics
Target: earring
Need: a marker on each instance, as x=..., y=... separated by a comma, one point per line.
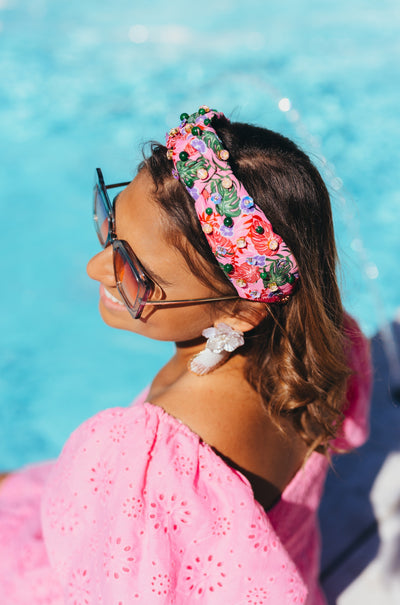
x=221, y=340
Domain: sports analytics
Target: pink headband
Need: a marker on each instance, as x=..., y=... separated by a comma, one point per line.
x=254, y=258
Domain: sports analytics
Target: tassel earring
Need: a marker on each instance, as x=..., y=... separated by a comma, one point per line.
x=221, y=341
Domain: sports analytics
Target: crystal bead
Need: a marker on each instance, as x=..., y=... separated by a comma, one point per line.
x=188, y=128
x=173, y=132
x=223, y=154
x=206, y=108
x=207, y=228
x=273, y=286
x=241, y=242
x=273, y=245
x=170, y=154
x=202, y=174
x=226, y=182
x=241, y=283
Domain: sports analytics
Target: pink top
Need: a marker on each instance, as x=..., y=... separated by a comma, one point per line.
x=139, y=509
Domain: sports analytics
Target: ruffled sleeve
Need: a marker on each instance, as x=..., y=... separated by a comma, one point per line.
x=355, y=428
x=139, y=509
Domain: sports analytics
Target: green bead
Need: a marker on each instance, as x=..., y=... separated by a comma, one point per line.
x=190, y=183
x=184, y=116
x=209, y=210
x=259, y=229
x=207, y=121
x=183, y=156
x=196, y=131
x=228, y=222
x=202, y=111
x=228, y=268
x=263, y=275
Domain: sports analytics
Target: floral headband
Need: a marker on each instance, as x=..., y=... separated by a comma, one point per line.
x=254, y=258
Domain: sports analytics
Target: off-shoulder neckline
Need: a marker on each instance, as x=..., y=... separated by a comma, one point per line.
x=179, y=424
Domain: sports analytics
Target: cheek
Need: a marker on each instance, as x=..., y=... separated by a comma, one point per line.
x=177, y=324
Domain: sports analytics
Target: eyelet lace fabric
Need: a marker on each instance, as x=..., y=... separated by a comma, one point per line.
x=138, y=509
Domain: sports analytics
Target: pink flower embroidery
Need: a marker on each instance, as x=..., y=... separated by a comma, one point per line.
x=79, y=587
x=205, y=574
x=223, y=242
x=263, y=240
x=119, y=557
x=250, y=273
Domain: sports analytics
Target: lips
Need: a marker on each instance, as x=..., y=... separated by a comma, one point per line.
x=110, y=301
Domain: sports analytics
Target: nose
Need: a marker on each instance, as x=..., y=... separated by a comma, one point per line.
x=101, y=267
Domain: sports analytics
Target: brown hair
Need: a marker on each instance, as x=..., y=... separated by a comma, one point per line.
x=296, y=356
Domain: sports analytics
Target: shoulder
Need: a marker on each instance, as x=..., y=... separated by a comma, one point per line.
x=119, y=441
x=355, y=428
x=122, y=452
x=359, y=353
x=359, y=358
x=221, y=407
x=106, y=433
x=144, y=507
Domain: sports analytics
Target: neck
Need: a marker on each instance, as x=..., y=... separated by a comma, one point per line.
x=177, y=367
x=184, y=351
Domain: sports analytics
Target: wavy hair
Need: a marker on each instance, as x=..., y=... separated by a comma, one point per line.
x=296, y=358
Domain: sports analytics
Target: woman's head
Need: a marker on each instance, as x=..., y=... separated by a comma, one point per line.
x=295, y=353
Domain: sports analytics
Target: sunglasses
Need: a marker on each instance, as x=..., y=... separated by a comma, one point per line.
x=133, y=284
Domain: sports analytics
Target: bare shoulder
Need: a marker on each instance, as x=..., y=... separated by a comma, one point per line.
x=224, y=410
x=210, y=405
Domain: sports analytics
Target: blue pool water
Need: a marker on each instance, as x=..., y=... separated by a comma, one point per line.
x=84, y=84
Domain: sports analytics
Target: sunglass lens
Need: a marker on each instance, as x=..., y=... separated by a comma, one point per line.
x=126, y=278
x=100, y=216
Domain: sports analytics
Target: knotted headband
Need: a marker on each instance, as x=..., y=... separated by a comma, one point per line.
x=254, y=258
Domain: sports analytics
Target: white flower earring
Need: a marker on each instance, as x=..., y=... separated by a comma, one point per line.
x=221, y=341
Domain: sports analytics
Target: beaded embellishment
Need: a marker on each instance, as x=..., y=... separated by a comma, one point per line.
x=253, y=257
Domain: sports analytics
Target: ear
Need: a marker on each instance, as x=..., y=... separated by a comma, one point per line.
x=245, y=318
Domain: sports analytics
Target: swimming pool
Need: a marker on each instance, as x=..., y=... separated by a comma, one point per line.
x=83, y=85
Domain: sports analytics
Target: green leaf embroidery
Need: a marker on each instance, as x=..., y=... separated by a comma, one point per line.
x=229, y=204
x=278, y=272
x=191, y=119
x=188, y=170
x=212, y=141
